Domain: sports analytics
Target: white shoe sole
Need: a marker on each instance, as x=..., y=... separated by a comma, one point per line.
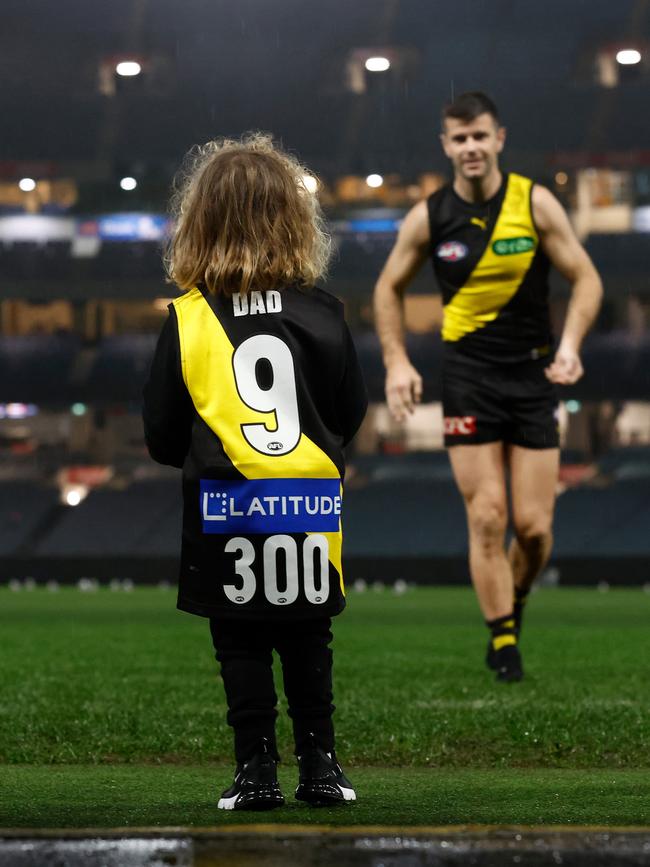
x=227, y=803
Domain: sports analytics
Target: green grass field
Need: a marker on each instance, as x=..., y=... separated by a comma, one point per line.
x=112, y=712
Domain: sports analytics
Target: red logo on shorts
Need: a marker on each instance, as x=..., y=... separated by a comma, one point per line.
x=460, y=425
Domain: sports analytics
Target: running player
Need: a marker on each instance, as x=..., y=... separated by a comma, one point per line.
x=254, y=390
x=492, y=237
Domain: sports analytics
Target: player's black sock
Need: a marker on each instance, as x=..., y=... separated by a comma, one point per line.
x=519, y=604
x=503, y=630
x=503, y=653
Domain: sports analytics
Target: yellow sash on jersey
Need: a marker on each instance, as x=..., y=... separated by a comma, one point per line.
x=497, y=276
x=206, y=361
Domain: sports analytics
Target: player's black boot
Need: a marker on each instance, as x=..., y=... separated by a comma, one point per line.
x=322, y=782
x=518, y=611
x=502, y=652
x=507, y=664
x=255, y=786
x=519, y=604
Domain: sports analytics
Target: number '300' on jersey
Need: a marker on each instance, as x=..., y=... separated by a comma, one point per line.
x=255, y=397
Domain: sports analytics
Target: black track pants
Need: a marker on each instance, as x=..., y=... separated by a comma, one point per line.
x=244, y=650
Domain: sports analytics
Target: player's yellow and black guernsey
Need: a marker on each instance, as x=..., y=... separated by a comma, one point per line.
x=493, y=274
x=255, y=397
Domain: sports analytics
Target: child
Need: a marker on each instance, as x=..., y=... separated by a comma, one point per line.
x=254, y=390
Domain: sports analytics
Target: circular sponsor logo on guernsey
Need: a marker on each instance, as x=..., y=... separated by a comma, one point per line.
x=451, y=251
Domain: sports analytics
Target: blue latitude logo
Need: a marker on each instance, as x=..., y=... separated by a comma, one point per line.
x=270, y=506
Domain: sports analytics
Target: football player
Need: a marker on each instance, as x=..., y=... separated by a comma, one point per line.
x=492, y=237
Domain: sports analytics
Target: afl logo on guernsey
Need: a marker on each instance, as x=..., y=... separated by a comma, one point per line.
x=451, y=251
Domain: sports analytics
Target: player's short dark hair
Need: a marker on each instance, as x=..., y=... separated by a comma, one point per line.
x=468, y=106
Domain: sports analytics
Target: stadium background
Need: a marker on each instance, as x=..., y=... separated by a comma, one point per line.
x=83, y=293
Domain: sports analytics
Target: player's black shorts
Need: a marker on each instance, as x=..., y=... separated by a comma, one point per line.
x=511, y=403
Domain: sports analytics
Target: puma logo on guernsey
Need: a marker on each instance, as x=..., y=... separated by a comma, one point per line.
x=256, y=302
x=477, y=221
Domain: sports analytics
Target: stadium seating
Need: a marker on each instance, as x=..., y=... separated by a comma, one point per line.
x=37, y=367
x=24, y=506
x=120, y=367
x=119, y=523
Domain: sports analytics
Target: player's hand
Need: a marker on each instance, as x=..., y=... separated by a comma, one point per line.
x=566, y=367
x=403, y=389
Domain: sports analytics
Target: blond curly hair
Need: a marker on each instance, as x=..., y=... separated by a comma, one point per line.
x=243, y=219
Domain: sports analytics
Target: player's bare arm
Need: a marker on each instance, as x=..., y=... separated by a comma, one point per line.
x=403, y=382
x=572, y=261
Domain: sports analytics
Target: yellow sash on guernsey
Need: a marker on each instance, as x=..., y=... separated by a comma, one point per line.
x=206, y=360
x=498, y=275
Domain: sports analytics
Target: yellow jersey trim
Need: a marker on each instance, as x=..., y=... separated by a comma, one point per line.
x=497, y=277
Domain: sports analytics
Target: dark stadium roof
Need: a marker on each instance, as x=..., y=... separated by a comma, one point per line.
x=216, y=67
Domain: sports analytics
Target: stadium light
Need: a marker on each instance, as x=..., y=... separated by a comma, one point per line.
x=128, y=68
x=310, y=183
x=27, y=184
x=72, y=495
x=573, y=406
x=374, y=181
x=128, y=184
x=628, y=56
x=561, y=178
x=377, y=64
x=78, y=409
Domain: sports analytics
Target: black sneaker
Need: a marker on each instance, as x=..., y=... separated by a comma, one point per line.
x=322, y=782
x=255, y=786
x=507, y=664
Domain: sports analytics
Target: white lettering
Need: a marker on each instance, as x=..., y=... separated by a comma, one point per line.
x=273, y=301
x=269, y=552
x=271, y=504
x=256, y=506
x=243, y=594
x=295, y=501
x=256, y=302
x=311, y=510
x=234, y=511
x=243, y=306
x=239, y=304
x=316, y=544
x=326, y=505
x=337, y=505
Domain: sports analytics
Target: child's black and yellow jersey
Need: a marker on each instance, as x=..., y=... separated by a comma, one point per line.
x=492, y=272
x=255, y=398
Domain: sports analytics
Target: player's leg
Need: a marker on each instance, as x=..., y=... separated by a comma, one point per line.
x=533, y=484
x=244, y=652
x=307, y=671
x=479, y=471
x=533, y=458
